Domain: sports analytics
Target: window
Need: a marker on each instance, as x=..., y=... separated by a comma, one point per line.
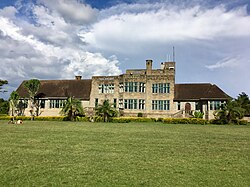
x=154, y=105
x=132, y=87
x=96, y=102
x=178, y=105
x=161, y=88
x=42, y=103
x=120, y=103
x=120, y=87
x=130, y=103
x=141, y=87
x=215, y=105
x=23, y=103
x=197, y=106
x=125, y=103
x=141, y=104
x=115, y=101
x=106, y=88
x=154, y=88
x=56, y=103
x=135, y=87
x=160, y=104
x=167, y=88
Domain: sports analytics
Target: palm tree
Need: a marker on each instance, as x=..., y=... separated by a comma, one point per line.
x=244, y=102
x=106, y=111
x=33, y=86
x=231, y=112
x=72, y=107
x=14, y=100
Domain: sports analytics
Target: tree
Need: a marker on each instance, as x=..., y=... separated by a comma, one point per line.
x=33, y=86
x=244, y=102
x=72, y=107
x=2, y=82
x=106, y=111
x=231, y=112
x=4, y=106
x=13, y=101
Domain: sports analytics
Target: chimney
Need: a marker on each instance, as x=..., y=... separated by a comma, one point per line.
x=149, y=66
x=162, y=65
x=78, y=77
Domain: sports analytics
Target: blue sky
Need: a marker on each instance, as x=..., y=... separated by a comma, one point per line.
x=59, y=39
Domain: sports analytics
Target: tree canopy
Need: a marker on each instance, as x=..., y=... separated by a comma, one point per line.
x=244, y=102
x=2, y=82
x=234, y=110
x=32, y=87
x=13, y=101
x=106, y=110
x=72, y=107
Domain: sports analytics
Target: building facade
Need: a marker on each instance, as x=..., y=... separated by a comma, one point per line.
x=151, y=92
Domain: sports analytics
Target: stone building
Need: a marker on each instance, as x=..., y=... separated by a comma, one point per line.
x=151, y=92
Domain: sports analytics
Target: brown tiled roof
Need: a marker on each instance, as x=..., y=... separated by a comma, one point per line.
x=203, y=91
x=60, y=89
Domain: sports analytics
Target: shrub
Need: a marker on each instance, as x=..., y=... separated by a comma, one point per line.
x=132, y=119
x=37, y=118
x=242, y=122
x=120, y=120
x=185, y=121
x=82, y=119
x=223, y=122
x=98, y=119
x=51, y=118
x=139, y=114
x=198, y=114
x=160, y=119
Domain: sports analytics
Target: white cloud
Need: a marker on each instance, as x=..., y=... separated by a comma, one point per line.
x=72, y=10
x=47, y=46
x=8, y=12
x=168, y=23
x=224, y=63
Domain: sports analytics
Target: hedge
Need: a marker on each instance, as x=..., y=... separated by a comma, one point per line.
x=132, y=119
x=36, y=118
x=125, y=119
x=221, y=122
x=185, y=121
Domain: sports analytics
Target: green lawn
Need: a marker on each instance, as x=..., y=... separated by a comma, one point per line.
x=134, y=154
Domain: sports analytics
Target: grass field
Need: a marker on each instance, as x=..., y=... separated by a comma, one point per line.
x=135, y=154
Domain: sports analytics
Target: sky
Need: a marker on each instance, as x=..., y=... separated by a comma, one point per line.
x=58, y=39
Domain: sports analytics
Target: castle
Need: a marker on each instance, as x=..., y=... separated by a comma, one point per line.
x=152, y=92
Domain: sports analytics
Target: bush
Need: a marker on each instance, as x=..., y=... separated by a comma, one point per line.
x=185, y=121
x=36, y=118
x=82, y=119
x=132, y=119
x=242, y=122
x=198, y=114
x=160, y=119
x=139, y=114
x=98, y=119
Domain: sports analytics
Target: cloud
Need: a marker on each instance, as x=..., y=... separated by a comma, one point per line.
x=161, y=23
x=72, y=10
x=224, y=63
x=8, y=12
x=47, y=45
